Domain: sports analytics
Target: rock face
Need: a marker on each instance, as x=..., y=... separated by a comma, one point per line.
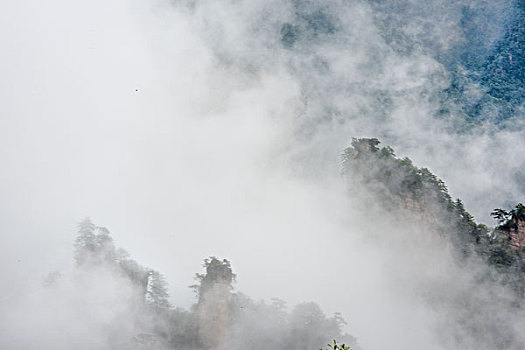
x=214, y=317
x=512, y=231
x=213, y=308
x=517, y=234
x=396, y=184
x=398, y=187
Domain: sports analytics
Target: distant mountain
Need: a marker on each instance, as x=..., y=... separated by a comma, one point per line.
x=221, y=318
x=493, y=60
x=479, y=305
x=399, y=185
x=484, y=54
x=503, y=74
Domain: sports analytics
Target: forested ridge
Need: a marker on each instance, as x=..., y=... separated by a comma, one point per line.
x=222, y=316
x=399, y=184
x=259, y=136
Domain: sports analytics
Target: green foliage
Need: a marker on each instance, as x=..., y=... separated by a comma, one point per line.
x=157, y=292
x=501, y=257
x=508, y=220
x=262, y=325
x=248, y=324
x=486, y=67
x=504, y=71
x=399, y=179
x=492, y=64
x=94, y=247
x=397, y=183
x=336, y=346
x=217, y=271
x=500, y=215
x=308, y=26
x=502, y=253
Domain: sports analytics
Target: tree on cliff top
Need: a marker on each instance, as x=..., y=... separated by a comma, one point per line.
x=93, y=244
x=217, y=271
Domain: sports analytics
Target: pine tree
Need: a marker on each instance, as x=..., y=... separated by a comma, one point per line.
x=86, y=242
x=157, y=292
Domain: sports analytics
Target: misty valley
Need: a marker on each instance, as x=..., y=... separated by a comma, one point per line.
x=284, y=174
x=223, y=318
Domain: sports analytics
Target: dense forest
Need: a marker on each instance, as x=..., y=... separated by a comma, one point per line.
x=408, y=191
x=399, y=184
x=219, y=318
x=224, y=318
x=486, y=69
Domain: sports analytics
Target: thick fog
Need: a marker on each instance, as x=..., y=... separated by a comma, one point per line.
x=199, y=128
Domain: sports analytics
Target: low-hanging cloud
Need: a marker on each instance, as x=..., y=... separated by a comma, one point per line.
x=198, y=128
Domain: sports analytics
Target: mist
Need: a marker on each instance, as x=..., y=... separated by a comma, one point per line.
x=215, y=128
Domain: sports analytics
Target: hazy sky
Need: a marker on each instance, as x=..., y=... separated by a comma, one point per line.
x=195, y=133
